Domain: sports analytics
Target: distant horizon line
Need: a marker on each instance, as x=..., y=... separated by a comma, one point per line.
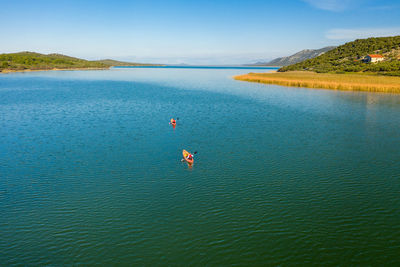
x=200, y=66
x=118, y=58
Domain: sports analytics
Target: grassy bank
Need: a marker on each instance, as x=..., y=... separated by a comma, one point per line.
x=349, y=82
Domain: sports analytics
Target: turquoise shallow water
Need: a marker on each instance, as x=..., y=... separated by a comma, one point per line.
x=90, y=171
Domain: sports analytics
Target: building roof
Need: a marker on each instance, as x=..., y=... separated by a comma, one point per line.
x=376, y=56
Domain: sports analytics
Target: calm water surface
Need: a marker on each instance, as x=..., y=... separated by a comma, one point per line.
x=90, y=171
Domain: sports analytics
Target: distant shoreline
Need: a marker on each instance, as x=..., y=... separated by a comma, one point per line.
x=264, y=66
x=6, y=71
x=344, y=82
x=32, y=61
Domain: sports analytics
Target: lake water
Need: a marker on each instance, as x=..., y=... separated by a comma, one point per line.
x=90, y=171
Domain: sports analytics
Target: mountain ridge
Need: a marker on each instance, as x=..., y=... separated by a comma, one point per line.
x=295, y=58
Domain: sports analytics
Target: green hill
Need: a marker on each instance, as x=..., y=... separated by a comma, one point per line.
x=36, y=61
x=349, y=58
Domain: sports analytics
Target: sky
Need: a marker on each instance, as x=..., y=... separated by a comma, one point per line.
x=197, y=32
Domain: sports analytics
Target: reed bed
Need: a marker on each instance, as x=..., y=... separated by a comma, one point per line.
x=348, y=82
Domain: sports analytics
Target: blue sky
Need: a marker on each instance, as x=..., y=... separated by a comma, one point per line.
x=193, y=32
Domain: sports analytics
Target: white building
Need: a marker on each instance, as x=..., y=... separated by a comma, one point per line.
x=373, y=58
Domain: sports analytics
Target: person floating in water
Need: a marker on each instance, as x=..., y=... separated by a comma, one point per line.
x=172, y=121
x=188, y=157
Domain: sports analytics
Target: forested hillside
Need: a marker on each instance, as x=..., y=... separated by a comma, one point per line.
x=349, y=58
x=36, y=61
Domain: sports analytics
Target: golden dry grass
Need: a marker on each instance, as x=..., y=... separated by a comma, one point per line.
x=349, y=82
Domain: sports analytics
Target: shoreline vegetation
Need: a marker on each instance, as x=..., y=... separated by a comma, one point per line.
x=5, y=71
x=354, y=57
x=345, y=82
x=347, y=67
x=31, y=61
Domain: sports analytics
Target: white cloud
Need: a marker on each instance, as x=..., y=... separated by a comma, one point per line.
x=352, y=34
x=334, y=5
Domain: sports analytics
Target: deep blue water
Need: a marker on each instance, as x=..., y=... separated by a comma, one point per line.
x=90, y=170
